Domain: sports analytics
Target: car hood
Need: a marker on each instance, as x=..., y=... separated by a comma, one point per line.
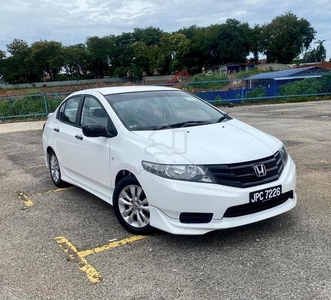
x=227, y=142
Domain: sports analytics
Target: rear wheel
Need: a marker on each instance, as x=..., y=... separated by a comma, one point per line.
x=55, y=171
x=131, y=206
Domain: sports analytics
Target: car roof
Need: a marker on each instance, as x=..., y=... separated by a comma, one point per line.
x=127, y=89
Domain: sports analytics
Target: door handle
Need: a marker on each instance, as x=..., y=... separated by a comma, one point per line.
x=56, y=129
x=78, y=137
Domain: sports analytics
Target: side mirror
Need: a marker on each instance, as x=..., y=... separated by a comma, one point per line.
x=95, y=131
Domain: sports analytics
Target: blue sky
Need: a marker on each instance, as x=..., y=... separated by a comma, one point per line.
x=72, y=21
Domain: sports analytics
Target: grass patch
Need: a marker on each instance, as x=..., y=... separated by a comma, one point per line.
x=27, y=106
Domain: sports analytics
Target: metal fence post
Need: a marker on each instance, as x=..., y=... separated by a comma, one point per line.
x=10, y=110
x=46, y=104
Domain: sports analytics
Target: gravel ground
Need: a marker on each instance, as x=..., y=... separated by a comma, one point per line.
x=286, y=257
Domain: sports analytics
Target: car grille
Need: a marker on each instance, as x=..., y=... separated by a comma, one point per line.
x=251, y=208
x=242, y=175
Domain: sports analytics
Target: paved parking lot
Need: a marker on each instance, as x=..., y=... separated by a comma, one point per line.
x=67, y=244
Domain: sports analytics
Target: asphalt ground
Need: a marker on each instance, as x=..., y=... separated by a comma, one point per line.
x=67, y=244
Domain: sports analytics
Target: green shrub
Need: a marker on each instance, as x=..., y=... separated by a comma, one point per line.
x=307, y=86
x=211, y=77
x=257, y=93
x=213, y=82
x=27, y=105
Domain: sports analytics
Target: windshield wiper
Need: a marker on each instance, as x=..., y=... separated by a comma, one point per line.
x=221, y=119
x=187, y=124
x=180, y=125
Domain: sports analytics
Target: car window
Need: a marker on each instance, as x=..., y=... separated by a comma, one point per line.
x=60, y=111
x=186, y=109
x=68, y=110
x=155, y=110
x=94, y=113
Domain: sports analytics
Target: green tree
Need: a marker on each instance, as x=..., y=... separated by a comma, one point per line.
x=17, y=68
x=145, y=44
x=2, y=55
x=286, y=37
x=76, y=60
x=256, y=42
x=320, y=51
x=149, y=35
x=100, y=54
x=123, y=64
x=310, y=56
x=2, y=62
x=141, y=53
x=47, y=58
x=174, y=47
x=196, y=58
x=317, y=54
x=228, y=42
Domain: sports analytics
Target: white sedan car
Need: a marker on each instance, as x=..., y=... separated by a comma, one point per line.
x=166, y=159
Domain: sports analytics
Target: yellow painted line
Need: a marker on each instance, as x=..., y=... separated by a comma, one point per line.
x=67, y=246
x=54, y=191
x=25, y=199
x=112, y=245
x=58, y=190
x=91, y=272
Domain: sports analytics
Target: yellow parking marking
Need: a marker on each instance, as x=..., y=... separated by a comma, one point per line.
x=91, y=272
x=25, y=199
x=112, y=245
x=54, y=191
x=69, y=248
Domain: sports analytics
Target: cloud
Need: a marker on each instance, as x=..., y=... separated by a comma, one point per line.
x=71, y=22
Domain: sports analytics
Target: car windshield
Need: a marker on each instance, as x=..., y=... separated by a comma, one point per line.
x=157, y=110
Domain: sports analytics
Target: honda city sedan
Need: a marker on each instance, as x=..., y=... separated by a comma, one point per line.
x=167, y=159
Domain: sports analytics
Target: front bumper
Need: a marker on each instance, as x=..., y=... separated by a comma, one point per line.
x=169, y=198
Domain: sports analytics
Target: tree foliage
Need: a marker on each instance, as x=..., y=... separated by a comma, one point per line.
x=100, y=52
x=17, y=67
x=2, y=55
x=152, y=51
x=47, y=58
x=76, y=61
x=308, y=86
x=286, y=37
x=320, y=51
x=317, y=54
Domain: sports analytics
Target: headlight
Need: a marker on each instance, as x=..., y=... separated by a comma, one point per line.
x=284, y=155
x=179, y=172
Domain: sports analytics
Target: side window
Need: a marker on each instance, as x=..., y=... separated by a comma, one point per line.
x=94, y=113
x=68, y=110
x=61, y=111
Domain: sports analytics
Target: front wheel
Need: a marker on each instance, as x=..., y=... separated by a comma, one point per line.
x=54, y=169
x=131, y=206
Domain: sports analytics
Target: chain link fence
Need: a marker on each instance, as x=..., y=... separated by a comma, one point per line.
x=219, y=92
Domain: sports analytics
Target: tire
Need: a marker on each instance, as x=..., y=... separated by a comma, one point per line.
x=131, y=206
x=55, y=171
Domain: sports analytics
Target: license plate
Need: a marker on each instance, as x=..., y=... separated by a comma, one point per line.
x=265, y=195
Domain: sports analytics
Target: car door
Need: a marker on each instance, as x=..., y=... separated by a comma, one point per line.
x=93, y=168
x=66, y=128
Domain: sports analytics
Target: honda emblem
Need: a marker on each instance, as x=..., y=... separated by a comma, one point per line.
x=260, y=170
